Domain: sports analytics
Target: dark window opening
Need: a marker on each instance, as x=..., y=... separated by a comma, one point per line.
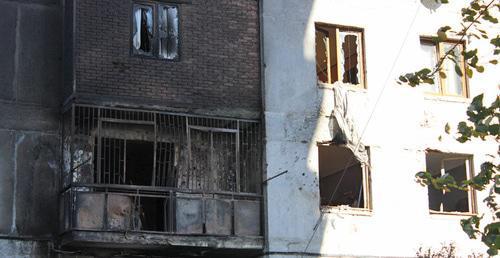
x=153, y=214
x=351, y=56
x=139, y=162
x=339, y=54
x=143, y=29
x=458, y=166
x=343, y=179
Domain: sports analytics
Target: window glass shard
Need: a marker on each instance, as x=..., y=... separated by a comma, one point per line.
x=322, y=55
x=350, y=57
x=168, y=21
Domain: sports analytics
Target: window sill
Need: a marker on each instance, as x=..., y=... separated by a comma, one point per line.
x=343, y=209
x=456, y=214
x=444, y=98
x=347, y=86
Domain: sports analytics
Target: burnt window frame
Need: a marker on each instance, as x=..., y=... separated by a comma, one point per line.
x=155, y=45
x=334, y=31
x=440, y=82
x=366, y=177
x=469, y=173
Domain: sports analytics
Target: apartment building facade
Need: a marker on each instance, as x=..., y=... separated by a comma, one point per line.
x=229, y=128
x=154, y=142
x=344, y=140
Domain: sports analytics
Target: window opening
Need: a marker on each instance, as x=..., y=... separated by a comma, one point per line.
x=458, y=166
x=338, y=188
x=143, y=29
x=339, y=54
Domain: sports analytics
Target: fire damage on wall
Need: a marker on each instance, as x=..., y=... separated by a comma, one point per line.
x=164, y=180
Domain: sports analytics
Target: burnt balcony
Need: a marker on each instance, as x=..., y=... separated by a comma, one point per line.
x=150, y=181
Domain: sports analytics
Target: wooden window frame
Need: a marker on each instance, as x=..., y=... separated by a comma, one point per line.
x=442, y=84
x=471, y=194
x=366, y=184
x=333, y=32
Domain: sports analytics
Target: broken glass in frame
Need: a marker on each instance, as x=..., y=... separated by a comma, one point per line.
x=168, y=31
x=143, y=29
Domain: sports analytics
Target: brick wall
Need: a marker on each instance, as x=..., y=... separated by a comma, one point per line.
x=219, y=56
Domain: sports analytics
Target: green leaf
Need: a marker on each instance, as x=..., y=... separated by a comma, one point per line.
x=458, y=70
x=469, y=72
x=480, y=68
x=470, y=54
x=447, y=128
x=442, y=74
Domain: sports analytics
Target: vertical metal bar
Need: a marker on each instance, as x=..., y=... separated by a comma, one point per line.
x=238, y=187
x=188, y=135
x=125, y=161
x=72, y=133
x=105, y=220
x=171, y=211
x=165, y=211
x=99, y=146
x=153, y=178
x=212, y=172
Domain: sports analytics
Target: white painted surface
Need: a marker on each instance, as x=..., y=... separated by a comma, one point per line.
x=405, y=122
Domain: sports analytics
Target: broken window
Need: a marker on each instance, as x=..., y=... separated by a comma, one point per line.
x=453, y=84
x=344, y=181
x=339, y=54
x=459, y=166
x=143, y=29
x=156, y=31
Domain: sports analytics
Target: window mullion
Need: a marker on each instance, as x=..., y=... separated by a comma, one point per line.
x=442, y=81
x=338, y=47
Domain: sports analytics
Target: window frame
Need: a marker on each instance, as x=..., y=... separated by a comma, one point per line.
x=155, y=5
x=366, y=184
x=334, y=31
x=441, y=82
x=471, y=193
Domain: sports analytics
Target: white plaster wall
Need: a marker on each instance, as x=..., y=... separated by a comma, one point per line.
x=404, y=123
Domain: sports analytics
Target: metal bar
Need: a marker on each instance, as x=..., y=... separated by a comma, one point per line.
x=172, y=113
x=162, y=189
x=153, y=177
x=124, y=121
x=99, y=146
x=72, y=133
x=213, y=129
x=237, y=145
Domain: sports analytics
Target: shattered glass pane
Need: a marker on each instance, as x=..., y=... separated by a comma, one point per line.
x=350, y=57
x=143, y=29
x=453, y=80
x=168, y=31
x=322, y=55
x=430, y=60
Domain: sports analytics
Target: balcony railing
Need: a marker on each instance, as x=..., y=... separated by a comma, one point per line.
x=119, y=208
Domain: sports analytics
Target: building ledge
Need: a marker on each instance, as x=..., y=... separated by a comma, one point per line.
x=159, y=243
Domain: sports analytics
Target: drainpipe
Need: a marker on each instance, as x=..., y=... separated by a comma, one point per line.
x=264, y=213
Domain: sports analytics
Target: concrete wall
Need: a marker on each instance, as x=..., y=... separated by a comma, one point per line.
x=218, y=68
x=30, y=83
x=404, y=123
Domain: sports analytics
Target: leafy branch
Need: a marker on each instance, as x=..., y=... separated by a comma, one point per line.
x=471, y=17
x=482, y=122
